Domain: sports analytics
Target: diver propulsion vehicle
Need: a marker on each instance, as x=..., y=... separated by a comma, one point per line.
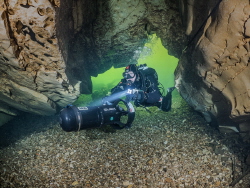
x=74, y=118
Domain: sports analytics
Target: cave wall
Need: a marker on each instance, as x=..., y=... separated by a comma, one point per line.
x=213, y=73
x=49, y=49
x=32, y=72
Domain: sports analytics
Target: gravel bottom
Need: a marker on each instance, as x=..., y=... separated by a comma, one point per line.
x=174, y=149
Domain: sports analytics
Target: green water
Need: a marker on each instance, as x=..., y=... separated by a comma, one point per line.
x=158, y=59
x=153, y=54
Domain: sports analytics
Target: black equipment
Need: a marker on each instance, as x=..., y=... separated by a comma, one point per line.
x=74, y=118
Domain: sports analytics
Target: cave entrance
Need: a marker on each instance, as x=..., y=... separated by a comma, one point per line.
x=154, y=55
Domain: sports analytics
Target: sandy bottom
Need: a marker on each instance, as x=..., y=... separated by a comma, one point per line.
x=174, y=149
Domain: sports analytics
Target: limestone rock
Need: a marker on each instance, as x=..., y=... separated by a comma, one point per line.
x=213, y=73
x=32, y=72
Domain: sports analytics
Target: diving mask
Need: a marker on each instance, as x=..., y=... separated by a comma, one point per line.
x=128, y=75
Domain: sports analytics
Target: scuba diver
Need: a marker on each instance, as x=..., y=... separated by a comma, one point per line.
x=140, y=84
x=143, y=83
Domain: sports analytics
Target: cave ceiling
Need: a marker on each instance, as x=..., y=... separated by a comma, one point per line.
x=49, y=49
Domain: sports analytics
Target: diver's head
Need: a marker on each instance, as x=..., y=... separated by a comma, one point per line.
x=130, y=76
x=131, y=73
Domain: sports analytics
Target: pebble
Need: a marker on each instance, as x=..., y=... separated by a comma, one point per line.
x=172, y=154
x=75, y=183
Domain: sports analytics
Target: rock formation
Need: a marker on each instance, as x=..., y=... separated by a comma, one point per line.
x=32, y=72
x=49, y=49
x=213, y=72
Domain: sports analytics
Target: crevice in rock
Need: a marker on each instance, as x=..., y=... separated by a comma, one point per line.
x=27, y=30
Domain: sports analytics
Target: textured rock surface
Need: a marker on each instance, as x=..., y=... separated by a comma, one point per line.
x=49, y=49
x=213, y=73
x=121, y=31
x=32, y=72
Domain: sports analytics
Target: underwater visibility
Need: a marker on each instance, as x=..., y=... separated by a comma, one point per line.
x=140, y=84
x=153, y=54
x=125, y=94
x=126, y=140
